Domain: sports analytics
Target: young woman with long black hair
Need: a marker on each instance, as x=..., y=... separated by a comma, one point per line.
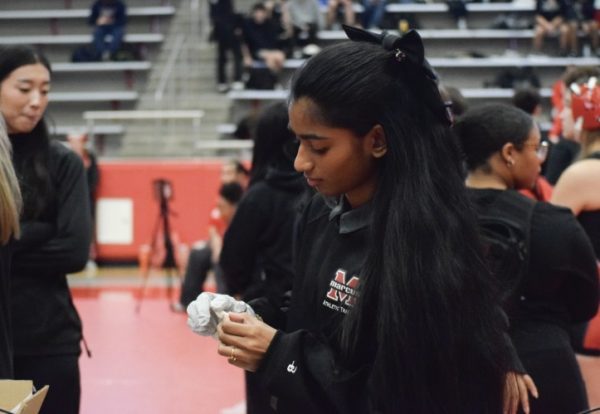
x=391, y=308
x=558, y=285
x=55, y=237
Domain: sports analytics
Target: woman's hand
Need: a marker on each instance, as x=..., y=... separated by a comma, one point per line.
x=244, y=340
x=516, y=389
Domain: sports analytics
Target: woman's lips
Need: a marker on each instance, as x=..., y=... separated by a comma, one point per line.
x=312, y=182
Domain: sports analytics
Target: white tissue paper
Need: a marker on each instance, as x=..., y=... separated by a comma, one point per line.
x=209, y=309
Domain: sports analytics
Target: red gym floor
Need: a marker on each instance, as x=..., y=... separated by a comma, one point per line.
x=147, y=362
x=151, y=362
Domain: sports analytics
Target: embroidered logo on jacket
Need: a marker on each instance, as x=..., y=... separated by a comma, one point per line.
x=342, y=292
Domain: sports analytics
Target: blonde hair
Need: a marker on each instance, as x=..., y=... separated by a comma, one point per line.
x=10, y=195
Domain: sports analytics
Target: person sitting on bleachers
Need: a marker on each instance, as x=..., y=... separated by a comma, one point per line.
x=261, y=41
x=581, y=15
x=340, y=11
x=306, y=21
x=109, y=18
x=373, y=13
x=550, y=18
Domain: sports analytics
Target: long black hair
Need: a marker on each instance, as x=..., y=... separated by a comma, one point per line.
x=274, y=144
x=30, y=156
x=483, y=130
x=424, y=297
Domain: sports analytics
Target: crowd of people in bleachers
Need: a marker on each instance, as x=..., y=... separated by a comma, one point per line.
x=275, y=30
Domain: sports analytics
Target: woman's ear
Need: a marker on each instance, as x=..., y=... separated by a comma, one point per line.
x=508, y=153
x=377, y=141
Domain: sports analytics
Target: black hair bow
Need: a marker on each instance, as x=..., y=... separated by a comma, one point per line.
x=408, y=47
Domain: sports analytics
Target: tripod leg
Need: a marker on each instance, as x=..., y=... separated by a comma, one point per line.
x=145, y=259
x=173, y=274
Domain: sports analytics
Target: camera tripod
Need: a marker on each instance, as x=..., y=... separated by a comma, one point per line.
x=161, y=229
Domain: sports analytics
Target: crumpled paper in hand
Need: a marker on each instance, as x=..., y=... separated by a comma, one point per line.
x=209, y=309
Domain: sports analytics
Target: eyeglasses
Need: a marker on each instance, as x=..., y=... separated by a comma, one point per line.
x=541, y=150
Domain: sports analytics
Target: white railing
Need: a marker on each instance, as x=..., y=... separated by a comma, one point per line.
x=90, y=117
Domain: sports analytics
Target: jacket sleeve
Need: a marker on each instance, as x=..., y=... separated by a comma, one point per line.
x=33, y=233
x=580, y=284
x=239, y=252
x=120, y=14
x=563, y=266
x=67, y=251
x=300, y=369
x=95, y=11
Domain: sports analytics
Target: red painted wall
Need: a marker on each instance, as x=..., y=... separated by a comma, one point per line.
x=195, y=185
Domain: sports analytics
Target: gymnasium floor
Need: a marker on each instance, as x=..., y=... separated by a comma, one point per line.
x=146, y=362
x=149, y=361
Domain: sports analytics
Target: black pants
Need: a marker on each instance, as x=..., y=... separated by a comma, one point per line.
x=199, y=263
x=225, y=43
x=258, y=400
x=304, y=37
x=61, y=373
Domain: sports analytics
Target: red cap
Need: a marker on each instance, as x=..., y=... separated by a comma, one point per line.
x=585, y=103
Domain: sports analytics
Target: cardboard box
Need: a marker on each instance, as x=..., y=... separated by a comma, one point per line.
x=17, y=397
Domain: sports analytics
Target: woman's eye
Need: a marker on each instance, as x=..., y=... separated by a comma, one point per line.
x=319, y=151
x=24, y=90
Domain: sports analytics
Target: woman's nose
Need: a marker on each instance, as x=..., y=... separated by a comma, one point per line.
x=301, y=162
x=35, y=99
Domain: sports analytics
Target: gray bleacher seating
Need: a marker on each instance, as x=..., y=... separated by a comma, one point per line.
x=66, y=67
x=469, y=93
x=87, y=96
x=63, y=130
x=81, y=13
x=436, y=15
x=75, y=39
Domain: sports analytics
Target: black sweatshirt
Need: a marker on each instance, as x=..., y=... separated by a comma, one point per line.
x=302, y=368
x=559, y=289
x=257, y=247
x=45, y=321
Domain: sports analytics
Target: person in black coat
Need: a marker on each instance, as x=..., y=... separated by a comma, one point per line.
x=227, y=32
x=10, y=205
x=256, y=258
x=560, y=284
x=55, y=238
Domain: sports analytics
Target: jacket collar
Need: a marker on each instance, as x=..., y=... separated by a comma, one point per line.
x=351, y=219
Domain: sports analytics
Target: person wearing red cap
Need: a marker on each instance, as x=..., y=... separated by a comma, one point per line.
x=579, y=186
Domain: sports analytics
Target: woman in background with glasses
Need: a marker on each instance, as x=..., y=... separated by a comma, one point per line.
x=556, y=282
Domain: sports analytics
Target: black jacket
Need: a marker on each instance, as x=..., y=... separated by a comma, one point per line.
x=257, y=247
x=559, y=289
x=45, y=321
x=117, y=8
x=302, y=368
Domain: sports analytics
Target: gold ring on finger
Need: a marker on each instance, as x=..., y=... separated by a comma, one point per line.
x=232, y=357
